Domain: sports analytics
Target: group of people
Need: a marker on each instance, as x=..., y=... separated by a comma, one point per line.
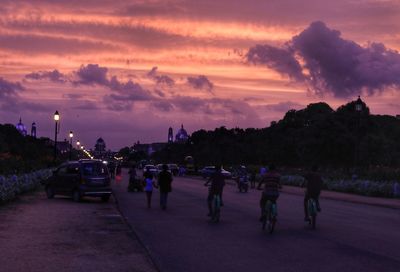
x=164, y=180
x=271, y=179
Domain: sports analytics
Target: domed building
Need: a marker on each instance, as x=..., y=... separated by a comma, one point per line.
x=100, y=146
x=21, y=127
x=182, y=135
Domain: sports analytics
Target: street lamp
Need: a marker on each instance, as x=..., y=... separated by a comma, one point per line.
x=56, y=119
x=358, y=108
x=71, y=135
x=78, y=143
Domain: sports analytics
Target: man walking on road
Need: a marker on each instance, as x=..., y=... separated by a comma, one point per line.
x=164, y=183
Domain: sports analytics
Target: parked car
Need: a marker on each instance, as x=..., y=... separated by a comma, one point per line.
x=173, y=168
x=207, y=171
x=80, y=178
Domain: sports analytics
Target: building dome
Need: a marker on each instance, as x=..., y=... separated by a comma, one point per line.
x=100, y=145
x=21, y=127
x=182, y=135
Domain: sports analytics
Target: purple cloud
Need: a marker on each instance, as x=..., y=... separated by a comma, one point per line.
x=281, y=60
x=201, y=83
x=331, y=64
x=163, y=105
x=159, y=93
x=126, y=92
x=92, y=74
x=9, y=89
x=54, y=76
x=163, y=79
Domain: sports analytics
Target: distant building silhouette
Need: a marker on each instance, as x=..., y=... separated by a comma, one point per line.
x=21, y=127
x=182, y=136
x=33, y=130
x=170, y=135
x=100, y=145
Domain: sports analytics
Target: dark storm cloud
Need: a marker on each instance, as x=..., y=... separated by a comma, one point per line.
x=160, y=79
x=331, y=64
x=54, y=76
x=201, y=83
x=278, y=59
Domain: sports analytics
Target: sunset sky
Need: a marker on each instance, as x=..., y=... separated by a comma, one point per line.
x=128, y=70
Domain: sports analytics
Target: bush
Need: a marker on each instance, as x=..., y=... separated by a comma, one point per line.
x=12, y=186
x=356, y=186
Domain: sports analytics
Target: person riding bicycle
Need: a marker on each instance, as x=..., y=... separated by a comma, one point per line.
x=272, y=181
x=313, y=183
x=217, y=180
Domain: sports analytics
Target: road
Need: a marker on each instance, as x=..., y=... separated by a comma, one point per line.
x=349, y=237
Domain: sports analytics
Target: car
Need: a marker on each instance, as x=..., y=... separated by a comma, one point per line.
x=79, y=179
x=173, y=168
x=207, y=171
x=151, y=168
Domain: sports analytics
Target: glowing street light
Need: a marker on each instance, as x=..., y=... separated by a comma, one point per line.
x=71, y=135
x=56, y=119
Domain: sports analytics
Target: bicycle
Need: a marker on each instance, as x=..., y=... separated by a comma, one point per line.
x=269, y=216
x=312, y=212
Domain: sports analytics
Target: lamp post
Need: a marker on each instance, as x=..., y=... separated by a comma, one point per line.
x=56, y=119
x=78, y=147
x=71, y=135
x=358, y=108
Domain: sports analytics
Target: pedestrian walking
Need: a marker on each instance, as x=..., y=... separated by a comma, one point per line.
x=149, y=185
x=164, y=183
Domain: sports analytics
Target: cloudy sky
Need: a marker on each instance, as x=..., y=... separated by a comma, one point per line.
x=128, y=70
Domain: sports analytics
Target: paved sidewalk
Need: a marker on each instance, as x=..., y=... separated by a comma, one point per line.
x=38, y=234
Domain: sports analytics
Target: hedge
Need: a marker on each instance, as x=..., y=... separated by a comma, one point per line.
x=14, y=185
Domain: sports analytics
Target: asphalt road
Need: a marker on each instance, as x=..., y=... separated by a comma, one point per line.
x=349, y=237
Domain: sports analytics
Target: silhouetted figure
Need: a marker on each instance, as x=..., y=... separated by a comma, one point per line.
x=313, y=183
x=272, y=183
x=164, y=183
x=148, y=186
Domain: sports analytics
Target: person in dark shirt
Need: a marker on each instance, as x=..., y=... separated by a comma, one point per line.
x=217, y=186
x=272, y=183
x=164, y=183
x=313, y=183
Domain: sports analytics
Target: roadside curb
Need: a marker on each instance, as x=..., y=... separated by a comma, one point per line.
x=134, y=232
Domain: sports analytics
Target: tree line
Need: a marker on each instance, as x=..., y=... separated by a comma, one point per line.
x=317, y=134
